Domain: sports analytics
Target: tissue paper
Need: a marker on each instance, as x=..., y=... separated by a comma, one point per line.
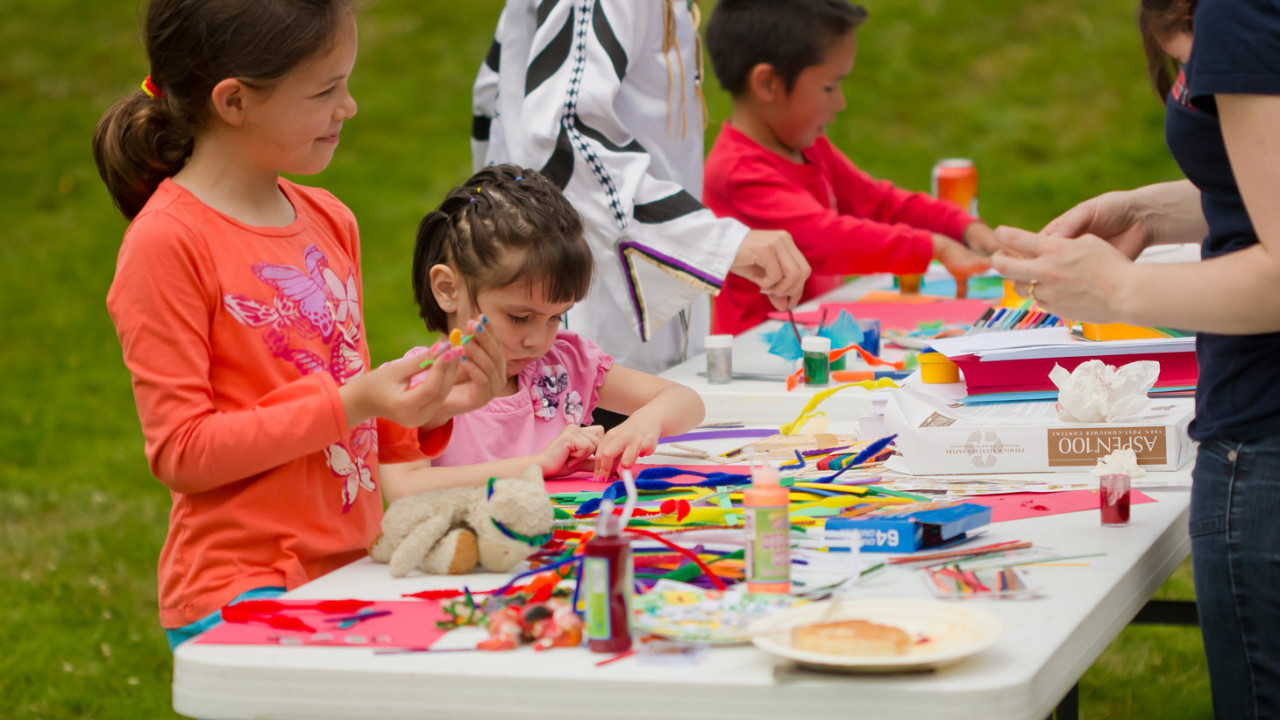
x=1122, y=462
x=1097, y=392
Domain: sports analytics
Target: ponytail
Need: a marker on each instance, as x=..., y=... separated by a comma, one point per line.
x=191, y=46
x=137, y=143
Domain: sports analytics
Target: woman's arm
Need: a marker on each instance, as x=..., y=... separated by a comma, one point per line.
x=1236, y=294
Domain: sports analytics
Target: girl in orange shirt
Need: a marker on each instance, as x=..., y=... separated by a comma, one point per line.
x=237, y=300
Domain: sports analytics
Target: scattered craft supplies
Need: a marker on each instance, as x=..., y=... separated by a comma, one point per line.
x=950, y=582
x=383, y=624
x=906, y=316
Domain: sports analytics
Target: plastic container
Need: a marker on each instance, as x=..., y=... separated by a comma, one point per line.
x=817, y=360
x=719, y=359
x=768, y=532
x=1113, y=491
x=936, y=368
x=607, y=585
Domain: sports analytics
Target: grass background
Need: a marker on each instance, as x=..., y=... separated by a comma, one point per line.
x=1049, y=99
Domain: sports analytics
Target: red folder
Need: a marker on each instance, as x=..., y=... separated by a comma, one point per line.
x=1177, y=369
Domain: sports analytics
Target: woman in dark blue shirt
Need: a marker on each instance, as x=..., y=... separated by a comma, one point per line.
x=1223, y=128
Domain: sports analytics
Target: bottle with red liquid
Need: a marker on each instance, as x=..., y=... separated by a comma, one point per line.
x=607, y=585
x=1114, y=494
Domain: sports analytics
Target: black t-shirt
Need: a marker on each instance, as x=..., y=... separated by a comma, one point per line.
x=1236, y=50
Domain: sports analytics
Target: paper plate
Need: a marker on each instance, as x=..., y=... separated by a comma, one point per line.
x=691, y=614
x=944, y=633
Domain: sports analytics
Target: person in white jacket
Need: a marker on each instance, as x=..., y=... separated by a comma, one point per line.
x=604, y=97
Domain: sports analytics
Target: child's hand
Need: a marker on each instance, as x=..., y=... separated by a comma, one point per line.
x=959, y=260
x=981, y=239
x=385, y=392
x=570, y=451
x=483, y=374
x=626, y=443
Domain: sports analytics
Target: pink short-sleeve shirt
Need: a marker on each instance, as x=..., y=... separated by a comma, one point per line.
x=560, y=388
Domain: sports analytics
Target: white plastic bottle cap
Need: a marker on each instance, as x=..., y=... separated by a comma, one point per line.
x=719, y=341
x=815, y=344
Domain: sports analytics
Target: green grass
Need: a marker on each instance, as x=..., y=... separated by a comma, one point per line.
x=1049, y=99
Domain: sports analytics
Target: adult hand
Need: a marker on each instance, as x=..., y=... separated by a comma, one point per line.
x=1114, y=217
x=570, y=451
x=1082, y=279
x=770, y=259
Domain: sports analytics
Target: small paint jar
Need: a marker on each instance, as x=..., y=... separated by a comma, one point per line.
x=936, y=368
x=1113, y=492
x=719, y=359
x=817, y=360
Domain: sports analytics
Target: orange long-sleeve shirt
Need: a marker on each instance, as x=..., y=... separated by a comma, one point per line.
x=237, y=338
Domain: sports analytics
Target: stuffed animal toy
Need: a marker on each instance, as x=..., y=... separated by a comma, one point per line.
x=446, y=532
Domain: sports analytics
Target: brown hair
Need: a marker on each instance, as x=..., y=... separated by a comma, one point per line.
x=790, y=36
x=502, y=209
x=193, y=45
x=1157, y=19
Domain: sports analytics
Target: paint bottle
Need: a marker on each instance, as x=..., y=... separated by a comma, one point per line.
x=607, y=585
x=817, y=360
x=768, y=532
x=719, y=359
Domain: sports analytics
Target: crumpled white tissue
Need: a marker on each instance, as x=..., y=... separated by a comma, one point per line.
x=1121, y=462
x=1097, y=392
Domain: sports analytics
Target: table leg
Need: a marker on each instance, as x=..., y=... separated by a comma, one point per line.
x=1167, y=612
x=1069, y=707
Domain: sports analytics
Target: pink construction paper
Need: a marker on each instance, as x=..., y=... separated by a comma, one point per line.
x=1019, y=506
x=412, y=623
x=898, y=315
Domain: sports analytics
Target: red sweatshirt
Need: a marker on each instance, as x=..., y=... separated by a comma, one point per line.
x=842, y=220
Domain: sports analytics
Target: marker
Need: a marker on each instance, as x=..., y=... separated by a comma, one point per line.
x=995, y=320
x=986, y=315
x=1012, y=319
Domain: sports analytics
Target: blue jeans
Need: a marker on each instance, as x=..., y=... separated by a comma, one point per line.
x=177, y=636
x=1235, y=556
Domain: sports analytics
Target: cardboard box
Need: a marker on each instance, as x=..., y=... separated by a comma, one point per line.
x=938, y=436
x=924, y=530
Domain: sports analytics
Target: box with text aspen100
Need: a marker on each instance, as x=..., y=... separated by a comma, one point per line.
x=938, y=437
x=909, y=532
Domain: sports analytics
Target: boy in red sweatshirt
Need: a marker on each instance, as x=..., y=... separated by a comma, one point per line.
x=773, y=167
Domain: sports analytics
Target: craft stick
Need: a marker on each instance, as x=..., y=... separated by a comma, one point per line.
x=965, y=553
x=691, y=449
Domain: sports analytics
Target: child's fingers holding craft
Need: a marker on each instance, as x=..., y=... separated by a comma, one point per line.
x=570, y=450
x=483, y=373
x=625, y=444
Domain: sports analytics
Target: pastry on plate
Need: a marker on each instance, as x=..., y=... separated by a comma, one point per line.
x=851, y=637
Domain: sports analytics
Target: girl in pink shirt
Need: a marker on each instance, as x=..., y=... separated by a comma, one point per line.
x=237, y=300
x=509, y=245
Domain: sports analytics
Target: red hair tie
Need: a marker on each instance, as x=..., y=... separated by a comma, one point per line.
x=150, y=88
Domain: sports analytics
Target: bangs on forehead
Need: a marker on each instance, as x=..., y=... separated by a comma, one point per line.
x=562, y=270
